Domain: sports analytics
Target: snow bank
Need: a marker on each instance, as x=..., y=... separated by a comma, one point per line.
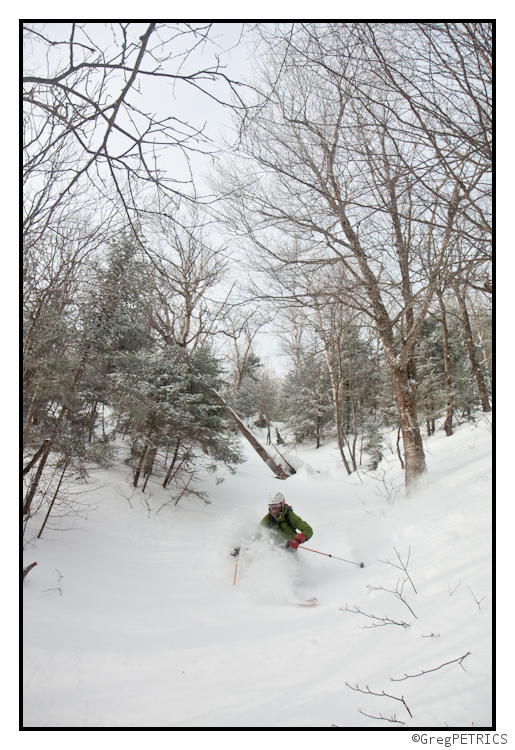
x=132, y=619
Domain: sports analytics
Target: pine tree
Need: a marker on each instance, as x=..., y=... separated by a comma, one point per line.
x=431, y=391
x=163, y=403
x=306, y=399
x=243, y=396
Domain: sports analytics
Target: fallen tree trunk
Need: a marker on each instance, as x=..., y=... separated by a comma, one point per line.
x=278, y=470
x=269, y=461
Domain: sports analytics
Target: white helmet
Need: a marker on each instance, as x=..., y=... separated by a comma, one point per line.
x=276, y=498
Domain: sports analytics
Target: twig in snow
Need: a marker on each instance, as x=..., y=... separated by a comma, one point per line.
x=145, y=503
x=119, y=492
x=452, y=592
x=396, y=592
x=392, y=719
x=380, y=695
x=373, y=514
x=380, y=620
x=390, y=491
x=29, y=567
x=54, y=589
x=402, y=566
x=477, y=602
x=426, y=671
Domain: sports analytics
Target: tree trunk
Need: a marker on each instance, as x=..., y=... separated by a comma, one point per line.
x=55, y=431
x=93, y=419
x=476, y=369
x=54, y=497
x=172, y=464
x=447, y=425
x=354, y=427
x=403, y=375
x=140, y=466
x=278, y=470
x=414, y=458
x=399, y=449
x=341, y=441
x=351, y=451
x=335, y=388
x=30, y=412
x=35, y=482
x=151, y=455
x=149, y=465
x=482, y=346
x=35, y=458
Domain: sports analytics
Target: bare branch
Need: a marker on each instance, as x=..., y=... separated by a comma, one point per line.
x=402, y=566
x=381, y=694
x=426, y=671
x=475, y=599
x=379, y=621
x=393, y=719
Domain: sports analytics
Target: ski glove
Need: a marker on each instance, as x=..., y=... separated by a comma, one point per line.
x=235, y=552
x=298, y=539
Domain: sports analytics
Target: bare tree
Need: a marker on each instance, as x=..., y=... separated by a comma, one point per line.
x=189, y=282
x=85, y=130
x=55, y=352
x=447, y=425
x=242, y=324
x=341, y=164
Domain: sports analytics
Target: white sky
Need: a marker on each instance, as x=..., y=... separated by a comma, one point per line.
x=182, y=101
x=165, y=98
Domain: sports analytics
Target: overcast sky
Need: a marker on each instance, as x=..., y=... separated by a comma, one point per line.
x=177, y=99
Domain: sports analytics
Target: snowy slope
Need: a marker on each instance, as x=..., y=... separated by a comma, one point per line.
x=132, y=619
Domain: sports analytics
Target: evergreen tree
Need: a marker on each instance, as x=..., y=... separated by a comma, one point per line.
x=164, y=403
x=115, y=320
x=244, y=397
x=429, y=357
x=306, y=399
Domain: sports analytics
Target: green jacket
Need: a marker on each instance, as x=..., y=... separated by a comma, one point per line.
x=281, y=526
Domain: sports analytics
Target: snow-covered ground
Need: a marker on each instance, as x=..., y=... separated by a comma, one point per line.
x=132, y=618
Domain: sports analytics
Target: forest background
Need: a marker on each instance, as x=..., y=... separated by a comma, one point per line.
x=348, y=215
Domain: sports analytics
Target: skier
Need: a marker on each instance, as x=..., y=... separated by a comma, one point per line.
x=284, y=523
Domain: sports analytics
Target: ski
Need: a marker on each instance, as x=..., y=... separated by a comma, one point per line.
x=308, y=602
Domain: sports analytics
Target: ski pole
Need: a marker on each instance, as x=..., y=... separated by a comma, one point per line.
x=336, y=558
x=235, y=553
